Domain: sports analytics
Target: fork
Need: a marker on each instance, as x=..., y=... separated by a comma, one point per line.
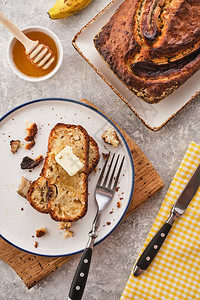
x=104, y=192
x=39, y=54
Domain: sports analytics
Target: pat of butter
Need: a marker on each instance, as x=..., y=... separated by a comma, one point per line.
x=68, y=161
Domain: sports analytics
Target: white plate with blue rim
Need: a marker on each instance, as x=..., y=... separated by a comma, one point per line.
x=18, y=219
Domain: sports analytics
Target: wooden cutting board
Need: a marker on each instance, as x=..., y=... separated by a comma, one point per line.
x=32, y=268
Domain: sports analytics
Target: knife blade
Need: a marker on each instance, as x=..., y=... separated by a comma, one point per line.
x=177, y=210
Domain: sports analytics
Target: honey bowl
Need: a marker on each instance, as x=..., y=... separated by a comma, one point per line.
x=20, y=63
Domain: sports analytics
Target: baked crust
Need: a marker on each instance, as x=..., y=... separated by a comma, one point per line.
x=153, y=46
x=37, y=195
x=94, y=155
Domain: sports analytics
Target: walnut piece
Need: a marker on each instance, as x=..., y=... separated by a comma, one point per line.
x=14, y=145
x=110, y=137
x=24, y=187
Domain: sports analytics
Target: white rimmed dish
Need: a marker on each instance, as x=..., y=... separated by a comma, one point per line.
x=154, y=116
x=18, y=226
x=59, y=48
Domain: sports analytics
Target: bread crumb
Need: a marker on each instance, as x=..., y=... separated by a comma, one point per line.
x=64, y=225
x=31, y=132
x=105, y=155
x=30, y=145
x=110, y=137
x=14, y=145
x=40, y=232
x=68, y=233
x=108, y=223
x=36, y=244
x=119, y=204
x=24, y=187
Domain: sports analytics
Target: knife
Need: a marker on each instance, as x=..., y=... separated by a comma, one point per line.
x=177, y=210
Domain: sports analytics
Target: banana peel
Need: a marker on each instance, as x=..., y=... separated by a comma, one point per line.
x=65, y=8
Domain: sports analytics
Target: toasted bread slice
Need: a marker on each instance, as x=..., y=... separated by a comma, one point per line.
x=55, y=192
x=66, y=195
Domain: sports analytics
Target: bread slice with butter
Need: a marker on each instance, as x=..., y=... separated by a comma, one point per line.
x=56, y=192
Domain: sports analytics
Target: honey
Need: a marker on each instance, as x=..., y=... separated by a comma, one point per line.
x=23, y=63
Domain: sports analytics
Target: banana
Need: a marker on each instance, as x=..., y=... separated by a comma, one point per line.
x=66, y=8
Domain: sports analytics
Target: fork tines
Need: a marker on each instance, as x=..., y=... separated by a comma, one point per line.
x=110, y=182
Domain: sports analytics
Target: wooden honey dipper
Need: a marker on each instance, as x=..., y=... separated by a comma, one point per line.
x=39, y=54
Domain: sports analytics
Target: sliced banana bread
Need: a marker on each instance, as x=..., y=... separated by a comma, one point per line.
x=55, y=192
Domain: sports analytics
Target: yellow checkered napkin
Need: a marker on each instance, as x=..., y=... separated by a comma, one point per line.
x=174, y=273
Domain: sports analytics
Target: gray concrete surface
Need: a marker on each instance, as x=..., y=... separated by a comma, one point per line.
x=114, y=257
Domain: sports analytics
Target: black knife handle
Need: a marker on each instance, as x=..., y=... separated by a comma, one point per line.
x=80, y=277
x=153, y=247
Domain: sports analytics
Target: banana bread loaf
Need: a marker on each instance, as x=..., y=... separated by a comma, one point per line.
x=153, y=46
